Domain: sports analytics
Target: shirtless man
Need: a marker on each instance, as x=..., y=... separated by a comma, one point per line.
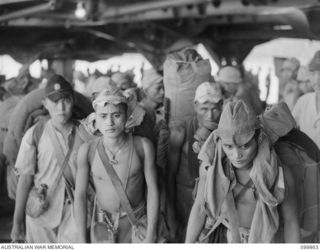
x=132, y=158
x=242, y=185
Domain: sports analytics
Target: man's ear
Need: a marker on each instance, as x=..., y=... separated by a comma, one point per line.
x=195, y=105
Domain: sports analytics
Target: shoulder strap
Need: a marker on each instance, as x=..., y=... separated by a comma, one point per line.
x=83, y=133
x=243, y=190
x=90, y=156
x=63, y=161
x=91, y=151
x=117, y=184
x=38, y=131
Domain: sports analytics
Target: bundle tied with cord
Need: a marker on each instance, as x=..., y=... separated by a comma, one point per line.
x=183, y=72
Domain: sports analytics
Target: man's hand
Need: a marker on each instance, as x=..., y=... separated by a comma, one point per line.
x=172, y=223
x=18, y=233
x=150, y=239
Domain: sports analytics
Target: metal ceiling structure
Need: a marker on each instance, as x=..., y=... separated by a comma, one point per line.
x=228, y=28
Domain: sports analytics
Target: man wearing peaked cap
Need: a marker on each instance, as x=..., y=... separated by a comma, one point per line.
x=44, y=150
x=57, y=88
x=208, y=102
x=133, y=159
x=242, y=185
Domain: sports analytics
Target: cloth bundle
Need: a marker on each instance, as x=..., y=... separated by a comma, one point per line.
x=268, y=179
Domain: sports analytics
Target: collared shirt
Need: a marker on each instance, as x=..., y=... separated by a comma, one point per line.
x=306, y=116
x=43, y=164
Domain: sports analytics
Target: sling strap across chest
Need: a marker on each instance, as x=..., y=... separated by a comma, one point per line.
x=63, y=160
x=124, y=201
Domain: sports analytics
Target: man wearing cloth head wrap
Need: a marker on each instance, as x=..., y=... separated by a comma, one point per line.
x=208, y=103
x=132, y=157
x=39, y=163
x=93, y=90
x=242, y=184
x=152, y=103
x=153, y=88
x=306, y=110
x=235, y=88
x=289, y=87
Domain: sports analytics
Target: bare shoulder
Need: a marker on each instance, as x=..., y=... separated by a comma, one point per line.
x=83, y=154
x=142, y=145
x=177, y=135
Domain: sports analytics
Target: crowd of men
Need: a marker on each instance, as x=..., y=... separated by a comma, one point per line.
x=228, y=169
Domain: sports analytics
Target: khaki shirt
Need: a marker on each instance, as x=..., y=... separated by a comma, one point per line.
x=44, y=166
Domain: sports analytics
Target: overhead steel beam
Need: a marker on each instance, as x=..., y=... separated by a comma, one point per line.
x=147, y=6
x=6, y=2
x=28, y=11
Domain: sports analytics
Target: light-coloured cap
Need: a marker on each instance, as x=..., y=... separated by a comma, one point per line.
x=314, y=64
x=100, y=84
x=303, y=74
x=237, y=124
x=229, y=74
x=208, y=92
x=150, y=77
x=110, y=95
x=291, y=64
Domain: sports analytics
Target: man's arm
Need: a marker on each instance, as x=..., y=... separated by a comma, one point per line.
x=176, y=140
x=197, y=215
x=26, y=166
x=150, y=173
x=80, y=198
x=290, y=211
x=296, y=111
x=18, y=228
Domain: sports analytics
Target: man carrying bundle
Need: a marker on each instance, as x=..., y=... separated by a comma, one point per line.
x=46, y=165
x=208, y=102
x=243, y=186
